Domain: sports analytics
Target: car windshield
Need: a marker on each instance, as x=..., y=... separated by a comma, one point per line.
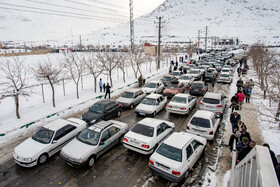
x=179, y=99
x=89, y=137
x=143, y=130
x=227, y=66
x=43, y=135
x=151, y=85
x=201, y=122
x=176, y=73
x=194, y=72
x=148, y=101
x=224, y=75
x=166, y=78
x=184, y=78
x=170, y=152
x=200, y=67
x=127, y=95
x=210, y=100
x=97, y=108
x=172, y=86
x=225, y=70
x=209, y=73
x=197, y=86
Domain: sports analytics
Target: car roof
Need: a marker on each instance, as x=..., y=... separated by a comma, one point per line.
x=154, y=82
x=203, y=114
x=198, y=82
x=153, y=96
x=104, y=102
x=212, y=95
x=152, y=122
x=178, y=139
x=101, y=125
x=182, y=95
x=168, y=75
x=57, y=124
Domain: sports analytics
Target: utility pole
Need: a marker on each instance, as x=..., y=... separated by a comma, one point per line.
x=198, y=42
x=206, y=39
x=131, y=26
x=80, y=43
x=158, y=48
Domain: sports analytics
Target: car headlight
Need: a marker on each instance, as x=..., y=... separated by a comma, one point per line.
x=22, y=159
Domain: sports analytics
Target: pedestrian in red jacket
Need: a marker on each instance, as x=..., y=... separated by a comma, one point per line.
x=241, y=98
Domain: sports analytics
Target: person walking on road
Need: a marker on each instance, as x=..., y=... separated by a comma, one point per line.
x=108, y=87
x=213, y=81
x=100, y=85
x=234, y=119
x=104, y=87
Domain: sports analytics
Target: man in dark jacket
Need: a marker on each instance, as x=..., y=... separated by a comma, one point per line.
x=236, y=136
x=234, y=118
x=244, y=133
x=243, y=153
x=272, y=155
x=234, y=102
x=108, y=87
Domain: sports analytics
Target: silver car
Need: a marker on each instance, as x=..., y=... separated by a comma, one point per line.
x=214, y=102
x=131, y=98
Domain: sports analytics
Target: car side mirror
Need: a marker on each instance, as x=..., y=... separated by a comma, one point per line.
x=54, y=142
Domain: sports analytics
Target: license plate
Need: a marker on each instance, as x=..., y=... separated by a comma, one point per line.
x=196, y=90
x=209, y=106
x=134, y=141
x=161, y=167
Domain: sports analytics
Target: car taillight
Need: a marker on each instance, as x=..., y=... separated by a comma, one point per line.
x=202, y=89
x=183, y=108
x=219, y=106
x=151, y=162
x=188, y=128
x=201, y=103
x=125, y=140
x=190, y=88
x=211, y=133
x=176, y=172
x=219, y=77
x=169, y=106
x=120, y=105
x=145, y=146
x=228, y=78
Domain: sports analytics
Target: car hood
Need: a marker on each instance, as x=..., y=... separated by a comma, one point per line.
x=195, y=75
x=142, y=138
x=89, y=116
x=29, y=148
x=124, y=100
x=145, y=107
x=76, y=149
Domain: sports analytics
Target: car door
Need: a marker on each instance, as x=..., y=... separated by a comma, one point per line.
x=61, y=138
x=104, y=143
x=162, y=102
x=198, y=148
x=114, y=135
x=158, y=104
x=190, y=156
x=109, y=111
x=163, y=130
x=215, y=123
x=190, y=102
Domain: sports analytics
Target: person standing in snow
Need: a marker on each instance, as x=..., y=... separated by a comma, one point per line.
x=239, y=71
x=100, y=85
x=108, y=87
x=104, y=87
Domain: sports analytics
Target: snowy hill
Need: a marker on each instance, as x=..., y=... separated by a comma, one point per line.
x=249, y=20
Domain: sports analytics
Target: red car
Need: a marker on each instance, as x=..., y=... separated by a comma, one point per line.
x=174, y=88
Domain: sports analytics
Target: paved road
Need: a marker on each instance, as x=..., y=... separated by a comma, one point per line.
x=118, y=167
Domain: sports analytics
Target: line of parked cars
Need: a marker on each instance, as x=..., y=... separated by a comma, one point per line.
x=82, y=141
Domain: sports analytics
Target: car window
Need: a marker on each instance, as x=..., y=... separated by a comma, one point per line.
x=148, y=101
x=59, y=134
x=43, y=135
x=189, y=99
x=211, y=100
x=105, y=136
x=143, y=130
x=158, y=100
x=97, y=108
x=213, y=119
x=170, y=152
x=195, y=144
x=113, y=130
x=189, y=151
x=162, y=98
x=127, y=95
x=89, y=137
x=69, y=128
x=178, y=99
x=159, y=130
x=201, y=122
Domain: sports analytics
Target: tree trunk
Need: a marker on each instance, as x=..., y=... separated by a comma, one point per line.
x=278, y=112
x=110, y=75
x=123, y=76
x=95, y=82
x=264, y=94
x=53, y=94
x=77, y=90
x=17, y=106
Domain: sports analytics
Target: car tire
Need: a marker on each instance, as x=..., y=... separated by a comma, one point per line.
x=119, y=113
x=154, y=114
x=42, y=159
x=131, y=106
x=91, y=161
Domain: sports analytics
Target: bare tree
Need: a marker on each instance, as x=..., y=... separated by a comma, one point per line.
x=93, y=66
x=109, y=62
x=49, y=72
x=135, y=60
x=122, y=64
x=14, y=80
x=75, y=64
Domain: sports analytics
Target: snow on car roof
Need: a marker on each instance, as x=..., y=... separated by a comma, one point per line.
x=153, y=96
x=133, y=90
x=154, y=82
x=152, y=122
x=182, y=95
x=57, y=124
x=203, y=114
x=212, y=95
x=178, y=139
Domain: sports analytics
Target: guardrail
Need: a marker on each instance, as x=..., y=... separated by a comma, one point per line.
x=255, y=170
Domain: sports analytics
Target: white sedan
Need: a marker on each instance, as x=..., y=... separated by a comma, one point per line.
x=151, y=105
x=181, y=104
x=176, y=156
x=47, y=141
x=153, y=87
x=186, y=79
x=147, y=134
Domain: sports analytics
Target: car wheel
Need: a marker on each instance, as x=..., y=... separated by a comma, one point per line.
x=186, y=175
x=154, y=114
x=119, y=113
x=43, y=159
x=131, y=106
x=91, y=161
